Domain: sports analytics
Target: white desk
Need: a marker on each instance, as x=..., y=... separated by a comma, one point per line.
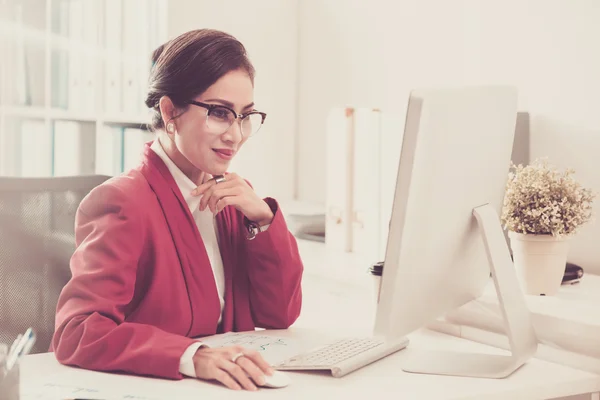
x=537, y=380
x=331, y=308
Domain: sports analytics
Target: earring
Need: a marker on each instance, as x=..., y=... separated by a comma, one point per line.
x=170, y=127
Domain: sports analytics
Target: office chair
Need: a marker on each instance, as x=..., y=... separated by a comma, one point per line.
x=37, y=239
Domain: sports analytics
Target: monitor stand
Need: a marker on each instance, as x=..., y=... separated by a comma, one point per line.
x=515, y=313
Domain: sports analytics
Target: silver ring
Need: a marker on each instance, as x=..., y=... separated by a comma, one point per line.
x=219, y=178
x=236, y=356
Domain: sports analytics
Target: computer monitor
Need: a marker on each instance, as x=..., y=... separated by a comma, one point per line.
x=445, y=233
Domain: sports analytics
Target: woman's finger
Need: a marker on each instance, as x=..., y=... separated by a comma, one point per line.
x=252, y=370
x=238, y=374
x=259, y=361
x=223, y=192
x=203, y=187
x=226, y=379
x=206, y=196
x=226, y=201
x=209, y=185
x=215, y=190
x=217, y=195
x=230, y=196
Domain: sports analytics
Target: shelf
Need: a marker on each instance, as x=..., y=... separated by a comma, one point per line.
x=29, y=34
x=79, y=116
x=67, y=115
x=23, y=111
x=63, y=62
x=116, y=119
x=40, y=36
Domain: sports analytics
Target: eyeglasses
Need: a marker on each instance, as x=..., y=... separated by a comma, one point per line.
x=220, y=118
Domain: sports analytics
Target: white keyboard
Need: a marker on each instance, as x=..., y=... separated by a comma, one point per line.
x=343, y=356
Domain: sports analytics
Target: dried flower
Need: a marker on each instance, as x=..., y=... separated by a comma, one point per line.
x=540, y=200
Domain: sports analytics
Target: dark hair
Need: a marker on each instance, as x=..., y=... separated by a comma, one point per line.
x=186, y=66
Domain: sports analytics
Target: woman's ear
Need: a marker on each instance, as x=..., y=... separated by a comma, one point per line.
x=167, y=113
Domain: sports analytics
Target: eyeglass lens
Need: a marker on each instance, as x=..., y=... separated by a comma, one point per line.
x=220, y=119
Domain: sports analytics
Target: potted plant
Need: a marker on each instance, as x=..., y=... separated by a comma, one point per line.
x=543, y=208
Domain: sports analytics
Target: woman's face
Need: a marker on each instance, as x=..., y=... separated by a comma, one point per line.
x=204, y=138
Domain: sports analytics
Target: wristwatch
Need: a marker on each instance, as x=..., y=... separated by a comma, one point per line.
x=254, y=229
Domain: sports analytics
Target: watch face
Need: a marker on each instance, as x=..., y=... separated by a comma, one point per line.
x=252, y=230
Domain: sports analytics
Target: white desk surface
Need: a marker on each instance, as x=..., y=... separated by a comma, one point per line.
x=339, y=309
x=536, y=380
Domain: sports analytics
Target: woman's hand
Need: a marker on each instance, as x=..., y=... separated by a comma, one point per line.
x=236, y=192
x=217, y=364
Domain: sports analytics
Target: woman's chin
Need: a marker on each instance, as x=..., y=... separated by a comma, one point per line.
x=220, y=169
x=214, y=166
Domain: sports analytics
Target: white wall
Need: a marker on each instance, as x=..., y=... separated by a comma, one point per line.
x=269, y=30
x=372, y=53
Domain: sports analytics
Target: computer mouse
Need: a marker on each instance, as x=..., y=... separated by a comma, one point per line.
x=277, y=380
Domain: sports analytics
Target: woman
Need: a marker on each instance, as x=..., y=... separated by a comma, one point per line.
x=178, y=248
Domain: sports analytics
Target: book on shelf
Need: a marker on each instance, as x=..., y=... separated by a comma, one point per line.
x=363, y=152
x=35, y=155
x=338, y=207
x=133, y=146
x=109, y=151
x=113, y=33
x=91, y=56
x=74, y=148
x=17, y=79
x=60, y=56
x=74, y=72
x=366, y=183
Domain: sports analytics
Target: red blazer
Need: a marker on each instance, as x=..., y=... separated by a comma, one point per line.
x=142, y=284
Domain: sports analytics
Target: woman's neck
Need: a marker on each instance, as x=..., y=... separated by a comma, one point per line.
x=197, y=176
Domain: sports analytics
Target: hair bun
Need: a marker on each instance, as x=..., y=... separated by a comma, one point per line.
x=150, y=102
x=157, y=52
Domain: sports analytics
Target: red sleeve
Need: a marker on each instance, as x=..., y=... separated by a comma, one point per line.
x=275, y=273
x=91, y=331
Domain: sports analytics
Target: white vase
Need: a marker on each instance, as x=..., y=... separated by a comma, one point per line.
x=540, y=261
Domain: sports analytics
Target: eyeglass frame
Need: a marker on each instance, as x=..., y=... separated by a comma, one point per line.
x=210, y=107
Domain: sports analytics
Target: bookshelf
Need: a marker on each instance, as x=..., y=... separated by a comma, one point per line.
x=72, y=84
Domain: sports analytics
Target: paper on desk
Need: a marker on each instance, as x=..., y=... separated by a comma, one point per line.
x=57, y=391
x=75, y=383
x=274, y=349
